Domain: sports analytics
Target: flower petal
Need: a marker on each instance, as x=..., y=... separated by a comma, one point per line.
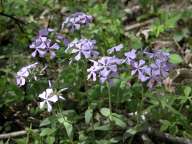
x=49, y=107
x=53, y=99
x=41, y=105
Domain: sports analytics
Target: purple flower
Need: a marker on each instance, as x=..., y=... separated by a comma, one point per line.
x=45, y=31
x=130, y=56
x=93, y=70
x=115, y=49
x=105, y=68
x=82, y=47
x=61, y=38
x=160, y=68
x=42, y=46
x=51, y=48
x=39, y=46
x=139, y=68
x=158, y=54
x=76, y=20
x=23, y=73
x=153, y=77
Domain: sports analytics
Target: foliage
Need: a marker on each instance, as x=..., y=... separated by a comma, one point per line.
x=92, y=112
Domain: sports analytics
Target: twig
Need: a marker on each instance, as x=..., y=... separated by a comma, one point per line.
x=11, y=17
x=165, y=137
x=138, y=25
x=17, y=21
x=147, y=22
x=15, y=134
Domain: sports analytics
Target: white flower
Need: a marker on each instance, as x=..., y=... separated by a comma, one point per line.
x=49, y=97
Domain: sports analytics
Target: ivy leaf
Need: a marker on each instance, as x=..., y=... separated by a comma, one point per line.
x=175, y=59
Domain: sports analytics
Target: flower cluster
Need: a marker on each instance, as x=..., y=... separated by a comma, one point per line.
x=23, y=73
x=155, y=72
x=105, y=68
x=159, y=70
x=43, y=45
x=76, y=20
x=82, y=47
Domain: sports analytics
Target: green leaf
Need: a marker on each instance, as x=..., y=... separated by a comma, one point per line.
x=50, y=140
x=102, y=128
x=69, y=129
x=105, y=112
x=165, y=125
x=187, y=91
x=88, y=115
x=119, y=122
x=45, y=122
x=68, y=126
x=131, y=131
x=175, y=59
x=47, y=131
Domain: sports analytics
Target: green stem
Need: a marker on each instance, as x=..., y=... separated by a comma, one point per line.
x=140, y=107
x=109, y=95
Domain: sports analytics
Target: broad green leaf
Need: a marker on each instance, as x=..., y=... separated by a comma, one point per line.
x=175, y=59
x=165, y=125
x=47, y=131
x=105, y=112
x=187, y=91
x=50, y=140
x=88, y=115
x=45, y=122
x=119, y=122
x=68, y=126
x=102, y=128
x=131, y=131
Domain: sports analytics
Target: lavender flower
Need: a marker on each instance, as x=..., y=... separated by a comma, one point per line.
x=42, y=46
x=158, y=54
x=39, y=46
x=130, y=56
x=105, y=68
x=76, y=20
x=45, y=31
x=159, y=70
x=153, y=77
x=61, y=38
x=23, y=73
x=51, y=48
x=83, y=47
x=139, y=68
x=115, y=49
